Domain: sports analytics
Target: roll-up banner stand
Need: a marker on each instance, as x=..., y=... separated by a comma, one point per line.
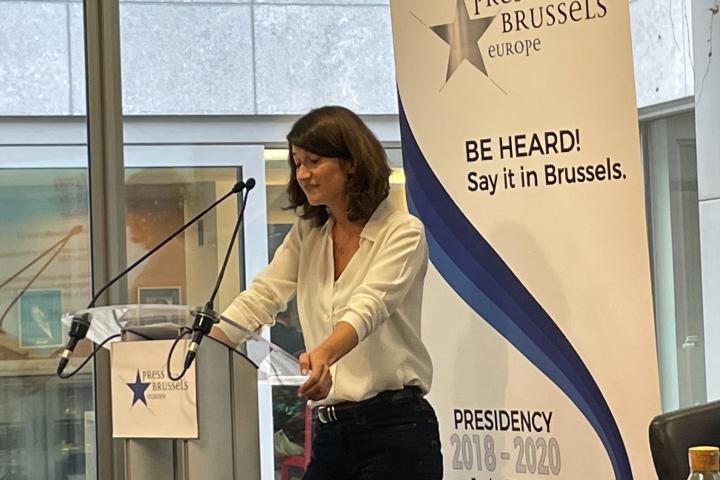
x=522, y=158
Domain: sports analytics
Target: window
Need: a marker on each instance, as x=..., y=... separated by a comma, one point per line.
x=672, y=209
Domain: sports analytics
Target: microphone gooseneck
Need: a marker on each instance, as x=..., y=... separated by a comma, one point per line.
x=238, y=187
x=81, y=324
x=206, y=317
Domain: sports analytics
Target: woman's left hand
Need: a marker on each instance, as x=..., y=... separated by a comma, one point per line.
x=318, y=384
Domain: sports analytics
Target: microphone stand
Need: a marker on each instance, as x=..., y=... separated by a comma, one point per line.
x=81, y=323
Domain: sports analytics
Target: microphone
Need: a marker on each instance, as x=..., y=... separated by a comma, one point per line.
x=81, y=324
x=78, y=329
x=206, y=317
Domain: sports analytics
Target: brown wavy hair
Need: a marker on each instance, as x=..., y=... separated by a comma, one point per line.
x=336, y=132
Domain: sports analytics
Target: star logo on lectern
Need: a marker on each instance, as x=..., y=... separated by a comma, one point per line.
x=463, y=35
x=138, y=388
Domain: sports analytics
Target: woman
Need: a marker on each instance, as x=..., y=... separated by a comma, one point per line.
x=357, y=266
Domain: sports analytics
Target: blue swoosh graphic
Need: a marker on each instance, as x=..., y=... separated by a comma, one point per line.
x=484, y=281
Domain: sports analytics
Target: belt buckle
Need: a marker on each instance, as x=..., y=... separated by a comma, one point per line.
x=326, y=414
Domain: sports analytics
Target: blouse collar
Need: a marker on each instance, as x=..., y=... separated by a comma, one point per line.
x=374, y=224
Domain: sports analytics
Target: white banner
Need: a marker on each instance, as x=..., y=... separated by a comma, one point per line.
x=521, y=154
x=146, y=403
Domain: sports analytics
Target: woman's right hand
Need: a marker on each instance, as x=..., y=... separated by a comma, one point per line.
x=319, y=383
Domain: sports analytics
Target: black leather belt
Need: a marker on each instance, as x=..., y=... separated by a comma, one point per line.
x=348, y=410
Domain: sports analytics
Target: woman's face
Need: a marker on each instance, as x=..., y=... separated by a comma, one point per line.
x=323, y=179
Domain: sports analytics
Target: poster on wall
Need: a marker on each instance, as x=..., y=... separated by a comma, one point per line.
x=521, y=153
x=40, y=312
x=159, y=295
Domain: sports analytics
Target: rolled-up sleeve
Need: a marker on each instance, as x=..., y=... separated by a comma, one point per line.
x=403, y=254
x=271, y=289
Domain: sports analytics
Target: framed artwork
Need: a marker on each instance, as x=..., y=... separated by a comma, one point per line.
x=159, y=295
x=40, y=313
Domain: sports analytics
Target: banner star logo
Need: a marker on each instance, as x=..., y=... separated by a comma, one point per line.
x=138, y=388
x=463, y=35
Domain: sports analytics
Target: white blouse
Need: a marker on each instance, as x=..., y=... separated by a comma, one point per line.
x=379, y=293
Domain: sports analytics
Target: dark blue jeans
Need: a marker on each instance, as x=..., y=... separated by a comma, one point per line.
x=390, y=439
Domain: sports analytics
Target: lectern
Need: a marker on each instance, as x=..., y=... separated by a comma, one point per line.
x=227, y=393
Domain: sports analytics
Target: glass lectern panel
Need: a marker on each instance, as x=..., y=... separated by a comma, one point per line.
x=275, y=366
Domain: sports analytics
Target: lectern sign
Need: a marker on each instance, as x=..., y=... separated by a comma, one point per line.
x=146, y=402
